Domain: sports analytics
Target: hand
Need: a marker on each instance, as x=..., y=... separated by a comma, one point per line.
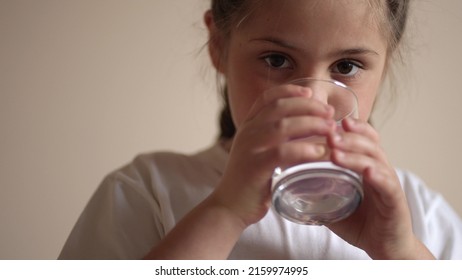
x=382, y=224
x=263, y=142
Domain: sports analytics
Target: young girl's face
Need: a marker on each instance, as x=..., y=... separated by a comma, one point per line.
x=281, y=41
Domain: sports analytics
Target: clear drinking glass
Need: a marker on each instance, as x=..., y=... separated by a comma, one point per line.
x=318, y=193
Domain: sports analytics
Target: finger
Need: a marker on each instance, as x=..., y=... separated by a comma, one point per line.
x=278, y=100
x=353, y=161
x=380, y=178
x=276, y=93
x=293, y=153
x=357, y=143
x=385, y=185
x=296, y=106
x=360, y=127
x=269, y=135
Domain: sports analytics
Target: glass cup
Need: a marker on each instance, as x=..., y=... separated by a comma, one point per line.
x=319, y=193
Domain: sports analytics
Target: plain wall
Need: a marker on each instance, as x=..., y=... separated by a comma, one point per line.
x=86, y=85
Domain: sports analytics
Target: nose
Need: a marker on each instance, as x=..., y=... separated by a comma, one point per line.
x=313, y=78
x=320, y=89
x=341, y=98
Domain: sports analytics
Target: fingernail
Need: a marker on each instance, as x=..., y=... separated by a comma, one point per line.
x=339, y=155
x=331, y=124
x=320, y=150
x=306, y=92
x=329, y=110
x=350, y=122
x=336, y=138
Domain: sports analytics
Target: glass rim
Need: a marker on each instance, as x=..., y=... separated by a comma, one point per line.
x=354, y=110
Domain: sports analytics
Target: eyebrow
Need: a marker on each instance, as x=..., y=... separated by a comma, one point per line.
x=358, y=50
x=353, y=51
x=275, y=41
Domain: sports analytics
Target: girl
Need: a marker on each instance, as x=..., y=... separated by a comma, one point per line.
x=216, y=204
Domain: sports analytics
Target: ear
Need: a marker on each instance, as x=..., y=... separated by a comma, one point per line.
x=215, y=43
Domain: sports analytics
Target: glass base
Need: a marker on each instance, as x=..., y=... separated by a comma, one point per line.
x=316, y=193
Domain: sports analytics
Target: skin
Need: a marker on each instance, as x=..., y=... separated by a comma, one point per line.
x=279, y=43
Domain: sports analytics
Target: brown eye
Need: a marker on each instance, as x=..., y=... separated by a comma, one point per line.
x=346, y=68
x=277, y=61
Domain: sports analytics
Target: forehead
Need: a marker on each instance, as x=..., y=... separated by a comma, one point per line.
x=349, y=21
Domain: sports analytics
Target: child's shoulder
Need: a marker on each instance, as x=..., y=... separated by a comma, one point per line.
x=416, y=189
x=425, y=203
x=435, y=222
x=210, y=157
x=166, y=166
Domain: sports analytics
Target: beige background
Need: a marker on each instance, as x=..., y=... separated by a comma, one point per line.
x=85, y=85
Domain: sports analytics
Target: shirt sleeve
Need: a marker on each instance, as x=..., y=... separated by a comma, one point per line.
x=435, y=222
x=121, y=221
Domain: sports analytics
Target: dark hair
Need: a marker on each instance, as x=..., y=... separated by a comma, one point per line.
x=227, y=13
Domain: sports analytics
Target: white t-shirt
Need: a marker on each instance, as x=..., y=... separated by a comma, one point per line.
x=136, y=206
